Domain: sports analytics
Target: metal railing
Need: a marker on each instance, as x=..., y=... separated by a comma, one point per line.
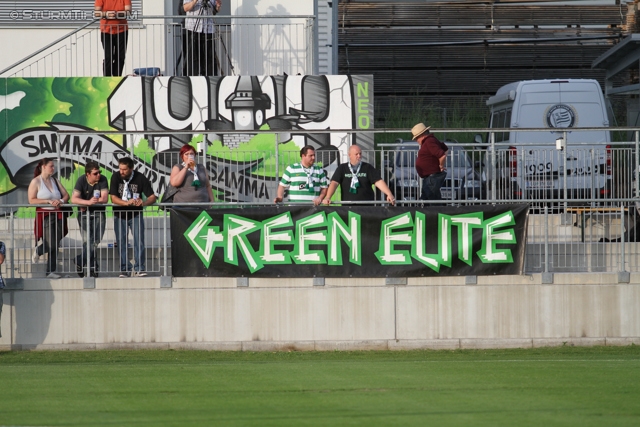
x=580, y=220
x=113, y=255
x=580, y=239
x=243, y=45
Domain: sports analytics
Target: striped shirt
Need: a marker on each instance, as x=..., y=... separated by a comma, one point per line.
x=296, y=178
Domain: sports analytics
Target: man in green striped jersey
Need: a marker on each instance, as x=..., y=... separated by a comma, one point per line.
x=306, y=181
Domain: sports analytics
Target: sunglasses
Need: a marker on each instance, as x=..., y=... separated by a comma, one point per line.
x=95, y=173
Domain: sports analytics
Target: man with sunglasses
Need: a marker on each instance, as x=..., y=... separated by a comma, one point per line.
x=92, y=194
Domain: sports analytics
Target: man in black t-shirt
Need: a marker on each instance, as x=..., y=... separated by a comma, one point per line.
x=127, y=190
x=92, y=194
x=356, y=179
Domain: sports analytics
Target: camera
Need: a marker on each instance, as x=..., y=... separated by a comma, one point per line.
x=210, y=4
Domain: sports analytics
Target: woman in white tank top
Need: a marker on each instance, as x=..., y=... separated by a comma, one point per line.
x=50, y=223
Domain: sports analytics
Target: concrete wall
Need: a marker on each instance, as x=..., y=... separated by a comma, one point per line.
x=503, y=311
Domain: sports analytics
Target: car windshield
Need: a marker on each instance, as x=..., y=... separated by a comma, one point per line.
x=406, y=158
x=459, y=158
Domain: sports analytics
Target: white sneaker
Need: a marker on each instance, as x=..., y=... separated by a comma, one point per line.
x=35, y=257
x=53, y=276
x=141, y=274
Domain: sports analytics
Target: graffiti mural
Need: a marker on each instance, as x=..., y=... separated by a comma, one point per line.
x=149, y=118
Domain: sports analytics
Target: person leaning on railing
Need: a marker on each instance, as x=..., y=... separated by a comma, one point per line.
x=356, y=179
x=199, y=48
x=51, y=222
x=190, y=179
x=306, y=181
x=126, y=189
x=114, y=33
x=92, y=194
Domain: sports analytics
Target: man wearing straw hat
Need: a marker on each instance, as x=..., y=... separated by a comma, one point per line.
x=430, y=163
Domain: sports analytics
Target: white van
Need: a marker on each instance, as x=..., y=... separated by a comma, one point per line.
x=531, y=164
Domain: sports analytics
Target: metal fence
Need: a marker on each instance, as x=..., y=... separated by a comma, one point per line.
x=62, y=251
x=583, y=215
x=580, y=239
x=243, y=45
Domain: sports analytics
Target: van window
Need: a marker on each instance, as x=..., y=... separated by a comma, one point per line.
x=507, y=123
x=501, y=119
x=501, y=115
x=494, y=124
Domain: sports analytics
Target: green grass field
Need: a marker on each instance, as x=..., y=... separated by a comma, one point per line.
x=566, y=386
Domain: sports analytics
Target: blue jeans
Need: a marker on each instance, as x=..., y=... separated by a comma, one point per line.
x=121, y=226
x=431, y=186
x=97, y=224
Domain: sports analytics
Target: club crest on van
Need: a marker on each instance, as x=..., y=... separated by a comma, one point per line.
x=561, y=116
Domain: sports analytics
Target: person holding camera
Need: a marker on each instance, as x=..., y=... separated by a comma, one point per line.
x=199, y=50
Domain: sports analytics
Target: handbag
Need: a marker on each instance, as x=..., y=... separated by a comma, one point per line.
x=67, y=211
x=169, y=193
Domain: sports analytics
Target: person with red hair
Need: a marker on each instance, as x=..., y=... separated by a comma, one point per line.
x=191, y=179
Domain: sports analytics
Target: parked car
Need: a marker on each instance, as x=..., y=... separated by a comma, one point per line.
x=463, y=181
